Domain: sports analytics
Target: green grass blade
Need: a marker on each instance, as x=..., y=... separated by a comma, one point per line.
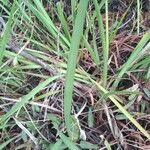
x=3, y=145
x=5, y=2
x=25, y=99
x=67, y=141
x=73, y=6
x=113, y=34
x=75, y=41
x=63, y=21
x=125, y=112
x=104, y=39
x=120, y=107
x=57, y=145
x=41, y=9
x=131, y=59
x=90, y=21
x=24, y=14
x=25, y=130
x=138, y=16
x=87, y=145
x=3, y=6
x=90, y=118
x=93, y=54
x=44, y=18
x=106, y=51
x=6, y=33
x=97, y=59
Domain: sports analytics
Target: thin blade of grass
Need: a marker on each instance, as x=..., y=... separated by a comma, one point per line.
x=132, y=57
x=5, y=2
x=67, y=141
x=87, y=145
x=42, y=15
x=72, y=57
x=120, y=107
x=73, y=6
x=90, y=118
x=103, y=38
x=2, y=6
x=138, y=16
x=63, y=20
x=106, y=51
x=26, y=131
x=125, y=112
x=3, y=145
x=119, y=25
x=6, y=32
x=95, y=49
x=57, y=145
x=25, y=99
x=93, y=54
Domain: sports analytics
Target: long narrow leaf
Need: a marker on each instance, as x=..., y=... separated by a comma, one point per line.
x=131, y=59
x=106, y=51
x=42, y=15
x=7, y=32
x=3, y=145
x=103, y=40
x=63, y=20
x=26, y=131
x=120, y=107
x=75, y=41
x=92, y=52
x=68, y=142
x=25, y=99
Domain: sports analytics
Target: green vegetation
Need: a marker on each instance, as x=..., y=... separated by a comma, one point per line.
x=74, y=74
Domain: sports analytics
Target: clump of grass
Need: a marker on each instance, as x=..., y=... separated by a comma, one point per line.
x=6, y=32
x=70, y=81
